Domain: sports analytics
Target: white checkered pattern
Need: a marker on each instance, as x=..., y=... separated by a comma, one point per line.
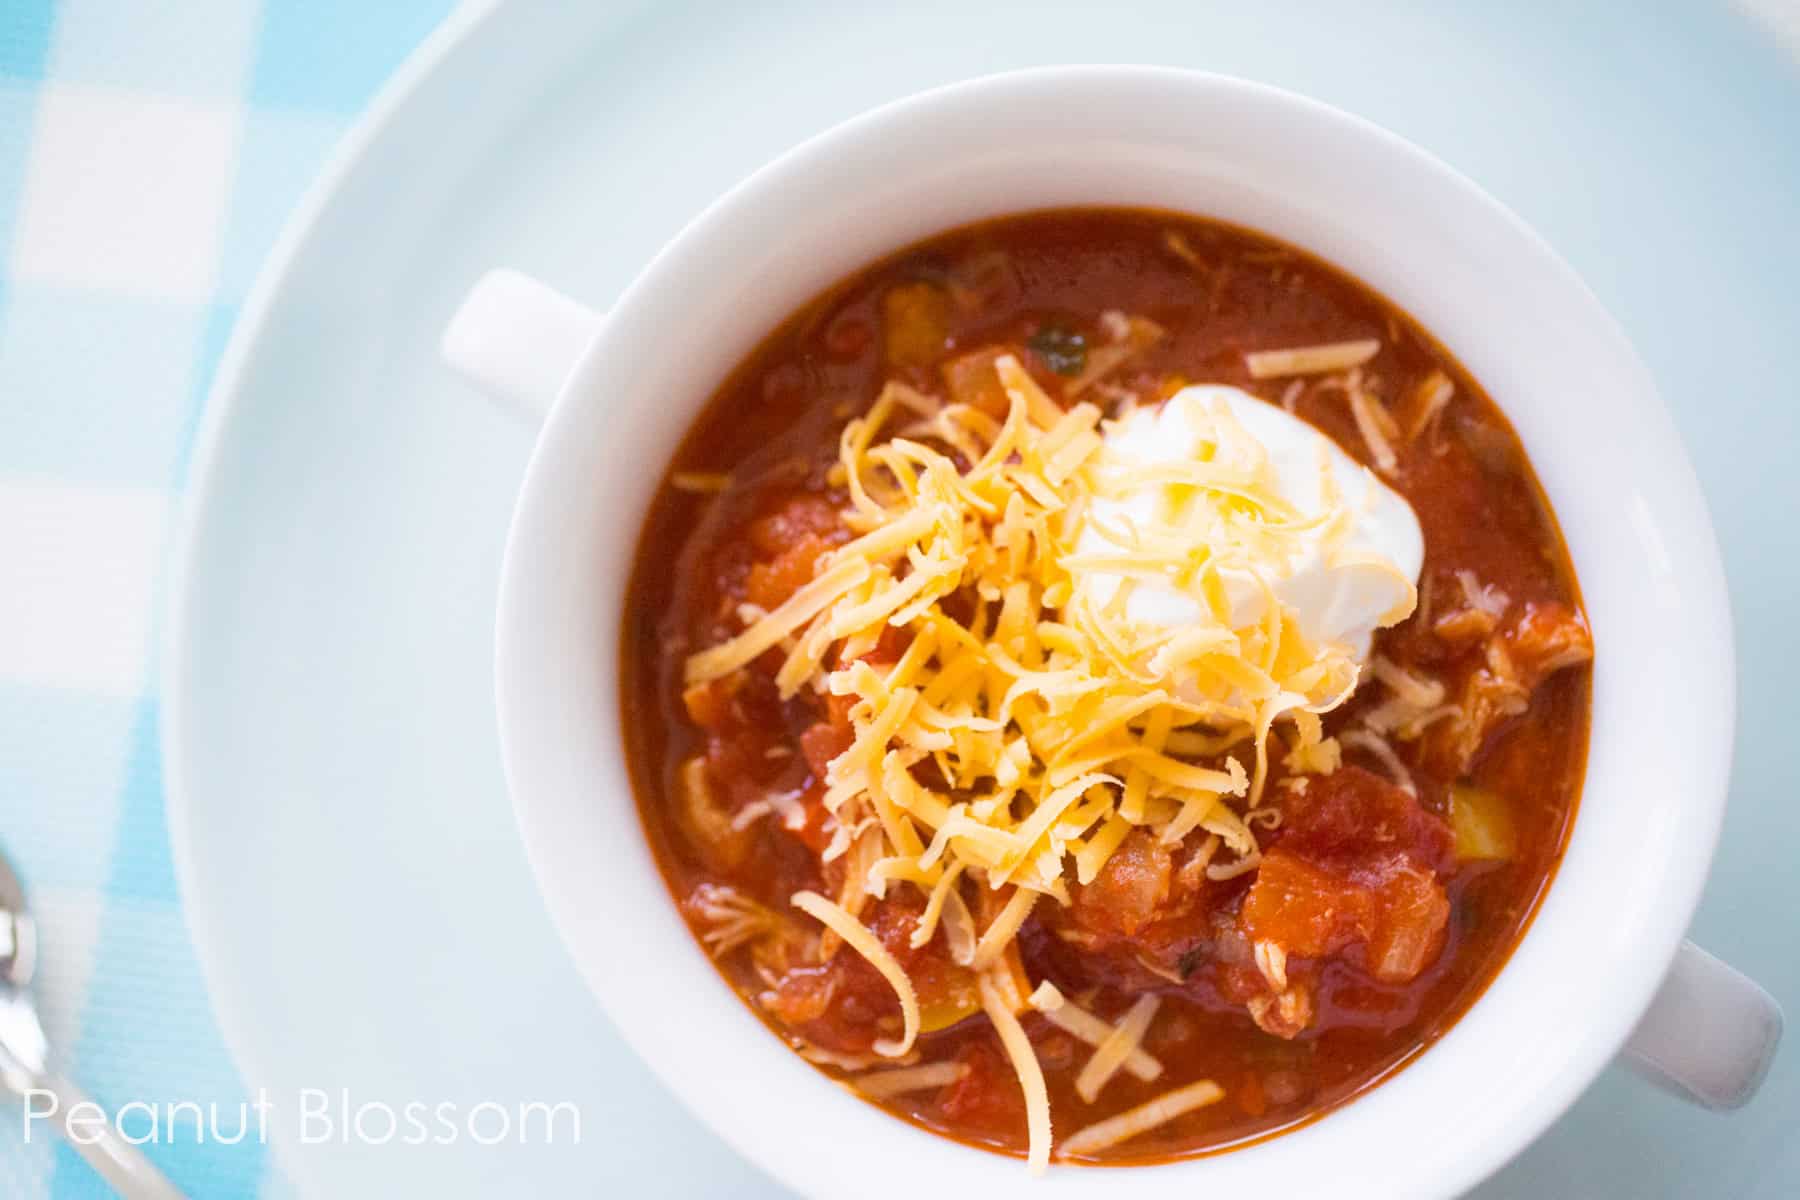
x=149, y=153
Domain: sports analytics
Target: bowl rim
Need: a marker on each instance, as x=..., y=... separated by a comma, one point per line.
x=1683, y=872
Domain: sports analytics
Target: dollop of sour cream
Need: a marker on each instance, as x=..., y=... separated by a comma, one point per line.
x=1340, y=581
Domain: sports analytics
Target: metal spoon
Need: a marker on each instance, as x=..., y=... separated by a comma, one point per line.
x=25, y=1068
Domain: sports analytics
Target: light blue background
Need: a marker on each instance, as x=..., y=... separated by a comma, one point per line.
x=101, y=388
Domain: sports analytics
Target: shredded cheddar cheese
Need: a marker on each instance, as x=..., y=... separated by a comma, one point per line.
x=848, y=1062
x=1068, y=1017
x=1111, y=1054
x=857, y=936
x=1031, y=1074
x=1049, y=723
x=1103, y=1135
x=1311, y=360
x=998, y=936
x=878, y=1085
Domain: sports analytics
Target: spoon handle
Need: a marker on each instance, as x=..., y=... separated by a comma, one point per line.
x=125, y=1167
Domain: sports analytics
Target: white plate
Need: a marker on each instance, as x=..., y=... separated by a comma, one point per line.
x=354, y=884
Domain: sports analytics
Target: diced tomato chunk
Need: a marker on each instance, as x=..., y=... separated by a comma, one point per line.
x=1354, y=818
x=890, y=644
x=801, y=514
x=823, y=742
x=837, y=710
x=1315, y=912
x=1357, y=862
x=814, y=829
x=1411, y=914
x=987, y=1095
x=770, y=583
x=1307, y=910
x=971, y=379
x=1548, y=638
x=802, y=995
x=1129, y=890
x=708, y=704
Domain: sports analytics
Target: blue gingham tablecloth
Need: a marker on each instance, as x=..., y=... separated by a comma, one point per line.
x=149, y=152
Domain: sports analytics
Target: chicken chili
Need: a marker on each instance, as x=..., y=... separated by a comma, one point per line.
x=1105, y=685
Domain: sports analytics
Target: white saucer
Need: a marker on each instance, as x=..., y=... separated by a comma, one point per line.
x=347, y=856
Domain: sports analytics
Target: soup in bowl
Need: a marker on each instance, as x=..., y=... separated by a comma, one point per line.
x=1111, y=674
x=1076, y=611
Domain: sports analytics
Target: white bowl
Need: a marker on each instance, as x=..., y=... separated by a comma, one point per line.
x=1425, y=237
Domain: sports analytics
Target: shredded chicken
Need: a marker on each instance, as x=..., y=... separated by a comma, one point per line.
x=1271, y=960
x=1285, y=1014
x=1493, y=693
x=1415, y=703
x=1377, y=747
x=1427, y=404
x=1549, y=638
x=1543, y=640
x=1478, y=616
x=1417, y=690
x=731, y=918
x=1376, y=426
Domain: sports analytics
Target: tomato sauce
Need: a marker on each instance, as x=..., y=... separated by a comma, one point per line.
x=1398, y=903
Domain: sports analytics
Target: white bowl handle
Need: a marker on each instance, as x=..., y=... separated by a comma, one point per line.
x=518, y=340
x=1708, y=1036
x=1710, y=1033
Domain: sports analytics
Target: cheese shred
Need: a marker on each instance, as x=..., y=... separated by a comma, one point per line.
x=1117, y=1047
x=1069, y=1018
x=999, y=935
x=1030, y=1072
x=800, y=608
x=879, y=1085
x=1311, y=360
x=1104, y=1135
x=856, y=935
